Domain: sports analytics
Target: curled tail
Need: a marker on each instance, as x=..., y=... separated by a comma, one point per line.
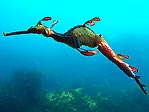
x=140, y=84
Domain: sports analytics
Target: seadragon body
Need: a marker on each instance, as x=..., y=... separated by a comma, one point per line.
x=83, y=35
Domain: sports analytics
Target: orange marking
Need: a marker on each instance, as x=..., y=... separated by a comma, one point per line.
x=126, y=57
x=134, y=69
x=49, y=31
x=47, y=18
x=96, y=19
x=87, y=53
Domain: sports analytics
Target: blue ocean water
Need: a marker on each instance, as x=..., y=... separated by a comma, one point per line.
x=124, y=25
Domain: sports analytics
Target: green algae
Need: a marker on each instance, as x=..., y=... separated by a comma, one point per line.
x=73, y=101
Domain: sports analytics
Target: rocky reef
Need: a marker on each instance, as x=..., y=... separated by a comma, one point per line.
x=24, y=92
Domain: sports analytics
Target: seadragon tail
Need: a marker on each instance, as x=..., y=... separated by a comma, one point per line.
x=140, y=84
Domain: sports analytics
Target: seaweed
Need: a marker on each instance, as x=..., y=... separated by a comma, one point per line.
x=72, y=101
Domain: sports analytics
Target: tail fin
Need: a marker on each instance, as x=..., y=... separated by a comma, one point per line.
x=140, y=84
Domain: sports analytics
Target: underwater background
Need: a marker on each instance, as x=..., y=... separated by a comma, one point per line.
x=38, y=74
